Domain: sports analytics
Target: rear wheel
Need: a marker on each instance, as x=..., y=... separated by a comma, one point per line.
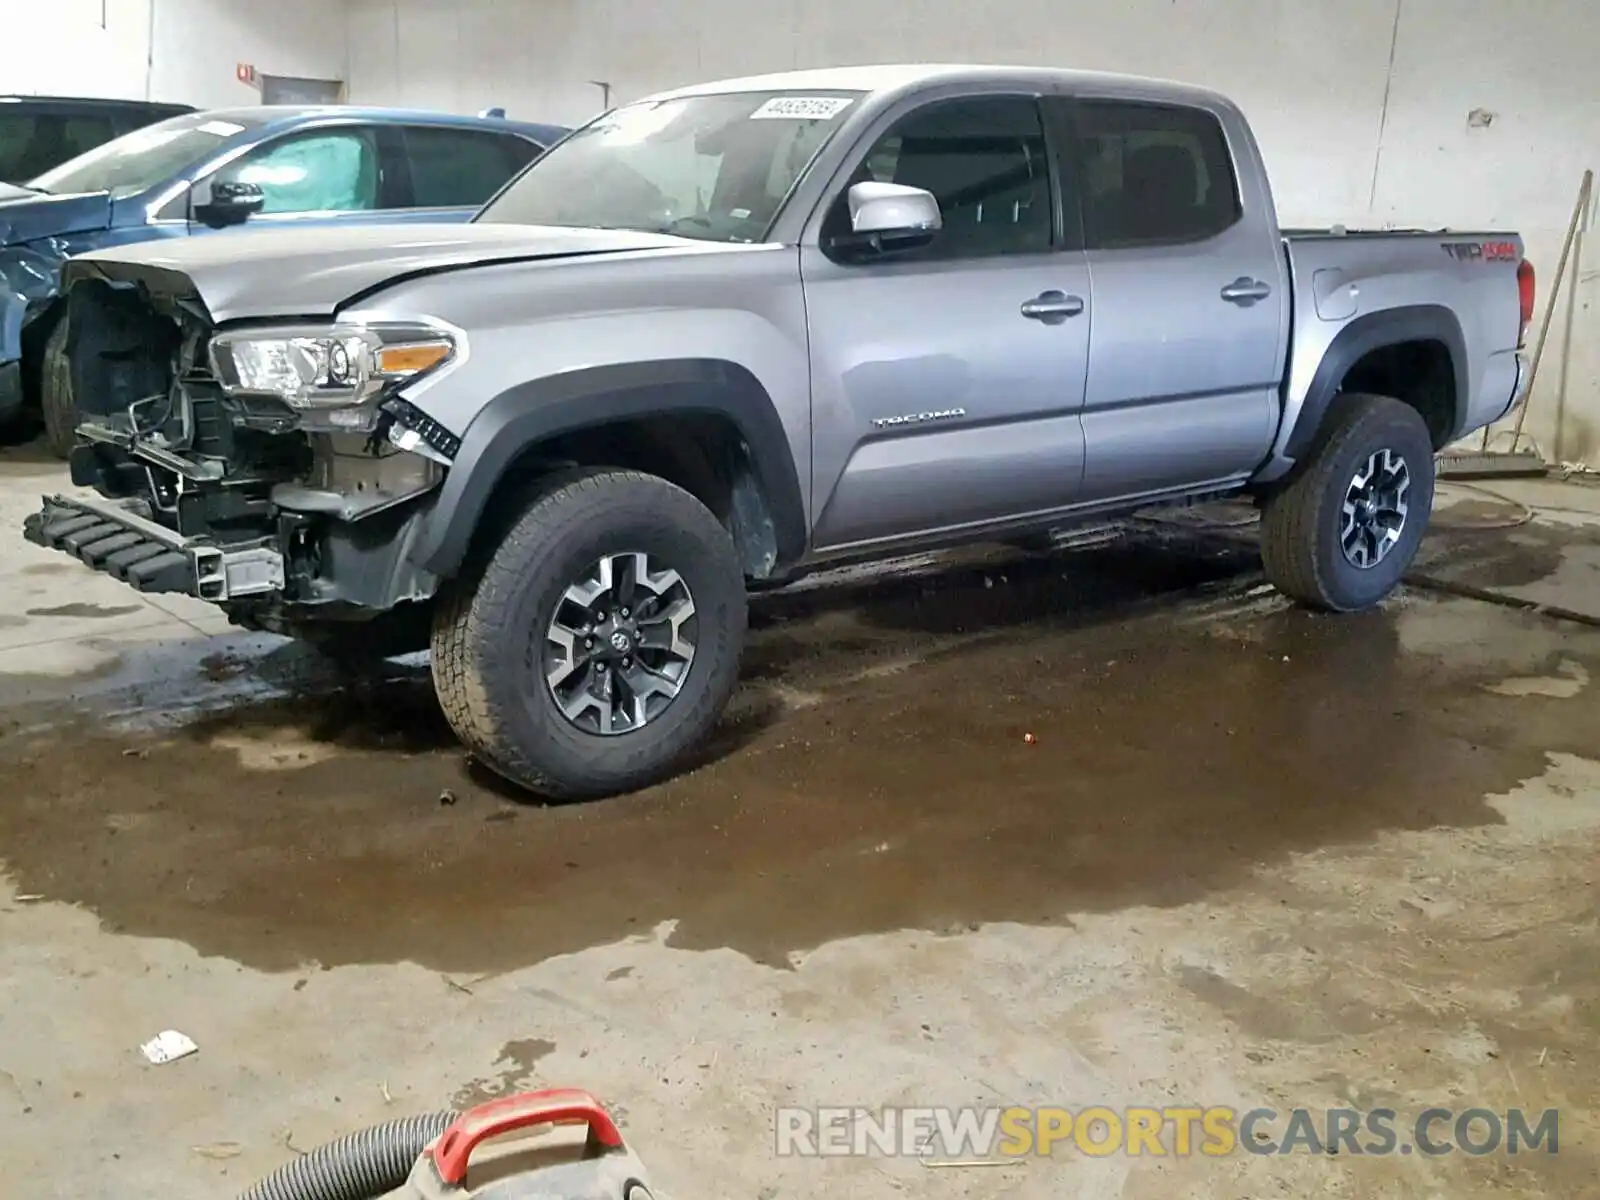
x=55, y=394
x=1341, y=536
x=599, y=643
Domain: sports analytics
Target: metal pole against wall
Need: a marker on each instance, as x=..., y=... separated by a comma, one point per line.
x=150, y=54
x=1585, y=190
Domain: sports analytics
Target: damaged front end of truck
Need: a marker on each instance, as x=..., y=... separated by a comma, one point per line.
x=267, y=467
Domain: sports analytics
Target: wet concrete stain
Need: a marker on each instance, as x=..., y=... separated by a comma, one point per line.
x=1501, y=559
x=515, y=1071
x=9, y=622
x=1170, y=757
x=50, y=568
x=1272, y=1019
x=87, y=611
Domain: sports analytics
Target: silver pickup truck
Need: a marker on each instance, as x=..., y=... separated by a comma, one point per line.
x=726, y=334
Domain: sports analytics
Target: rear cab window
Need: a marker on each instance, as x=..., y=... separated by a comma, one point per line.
x=1152, y=174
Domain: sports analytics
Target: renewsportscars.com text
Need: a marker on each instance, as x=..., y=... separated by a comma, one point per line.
x=1168, y=1131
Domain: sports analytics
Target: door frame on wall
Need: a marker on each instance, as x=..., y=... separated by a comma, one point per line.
x=293, y=89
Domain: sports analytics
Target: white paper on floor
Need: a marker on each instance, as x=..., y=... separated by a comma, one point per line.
x=167, y=1046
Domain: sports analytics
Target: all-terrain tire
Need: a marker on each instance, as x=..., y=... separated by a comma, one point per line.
x=55, y=394
x=490, y=625
x=1300, y=527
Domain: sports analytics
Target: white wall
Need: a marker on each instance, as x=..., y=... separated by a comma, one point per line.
x=61, y=47
x=1361, y=105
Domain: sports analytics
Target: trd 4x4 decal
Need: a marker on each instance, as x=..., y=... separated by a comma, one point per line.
x=1481, y=251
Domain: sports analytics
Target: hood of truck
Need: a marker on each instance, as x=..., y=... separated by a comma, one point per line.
x=313, y=272
x=31, y=216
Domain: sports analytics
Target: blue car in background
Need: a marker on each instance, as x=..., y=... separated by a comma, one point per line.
x=207, y=172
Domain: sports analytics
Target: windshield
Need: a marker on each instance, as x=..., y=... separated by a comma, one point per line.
x=142, y=159
x=714, y=167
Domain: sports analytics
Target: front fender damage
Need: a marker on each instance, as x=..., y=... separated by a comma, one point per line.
x=224, y=473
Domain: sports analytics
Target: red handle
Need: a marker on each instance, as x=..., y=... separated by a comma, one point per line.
x=522, y=1111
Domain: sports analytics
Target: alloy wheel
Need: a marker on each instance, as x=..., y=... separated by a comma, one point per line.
x=620, y=644
x=1375, y=508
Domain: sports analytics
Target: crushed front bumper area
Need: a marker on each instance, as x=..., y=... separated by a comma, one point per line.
x=121, y=539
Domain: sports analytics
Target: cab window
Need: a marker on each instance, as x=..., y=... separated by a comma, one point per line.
x=1153, y=174
x=984, y=160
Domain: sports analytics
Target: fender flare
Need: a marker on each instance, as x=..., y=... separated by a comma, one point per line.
x=525, y=415
x=1374, y=331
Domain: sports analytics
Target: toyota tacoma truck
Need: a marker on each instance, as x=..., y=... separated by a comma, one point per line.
x=730, y=333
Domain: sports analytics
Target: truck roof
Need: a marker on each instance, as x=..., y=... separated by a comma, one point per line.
x=890, y=77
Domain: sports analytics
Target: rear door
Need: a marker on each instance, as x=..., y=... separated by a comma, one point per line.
x=450, y=173
x=1190, y=314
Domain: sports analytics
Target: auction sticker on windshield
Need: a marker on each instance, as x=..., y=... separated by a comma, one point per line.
x=801, y=108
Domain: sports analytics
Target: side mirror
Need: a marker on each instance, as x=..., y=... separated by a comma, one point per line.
x=227, y=202
x=890, y=216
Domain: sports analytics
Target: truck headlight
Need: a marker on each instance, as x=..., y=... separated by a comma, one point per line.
x=331, y=374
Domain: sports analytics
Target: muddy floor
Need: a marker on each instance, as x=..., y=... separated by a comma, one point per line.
x=1109, y=826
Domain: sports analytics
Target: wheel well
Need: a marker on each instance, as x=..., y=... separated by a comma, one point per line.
x=34, y=336
x=1419, y=373
x=703, y=453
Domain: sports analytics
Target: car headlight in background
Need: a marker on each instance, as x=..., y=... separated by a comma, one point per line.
x=332, y=375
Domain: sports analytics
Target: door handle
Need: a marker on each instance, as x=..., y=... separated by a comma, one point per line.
x=1245, y=291
x=1052, y=307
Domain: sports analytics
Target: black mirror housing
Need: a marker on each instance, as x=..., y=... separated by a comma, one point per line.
x=230, y=203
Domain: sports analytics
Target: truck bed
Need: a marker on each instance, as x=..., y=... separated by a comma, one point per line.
x=1340, y=231
x=1454, y=289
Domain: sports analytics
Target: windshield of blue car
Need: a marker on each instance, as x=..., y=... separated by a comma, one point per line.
x=715, y=167
x=144, y=158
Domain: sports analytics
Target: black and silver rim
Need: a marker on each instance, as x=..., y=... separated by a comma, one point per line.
x=1375, y=508
x=620, y=644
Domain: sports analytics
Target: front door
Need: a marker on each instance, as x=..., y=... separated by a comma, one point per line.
x=1186, y=353
x=947, y=383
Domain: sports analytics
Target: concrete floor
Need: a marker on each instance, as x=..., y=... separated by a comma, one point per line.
x=1252, y=857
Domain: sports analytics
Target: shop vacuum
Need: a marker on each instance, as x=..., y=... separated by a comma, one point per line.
x=519, y=1147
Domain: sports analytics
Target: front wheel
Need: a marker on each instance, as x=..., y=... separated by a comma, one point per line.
x=599, y=643
x=1341, y=536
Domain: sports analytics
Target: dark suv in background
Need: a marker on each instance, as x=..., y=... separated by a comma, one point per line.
x=41, y=132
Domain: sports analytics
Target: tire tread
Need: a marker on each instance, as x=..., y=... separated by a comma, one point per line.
x=55, y=406
x=1291, y=524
